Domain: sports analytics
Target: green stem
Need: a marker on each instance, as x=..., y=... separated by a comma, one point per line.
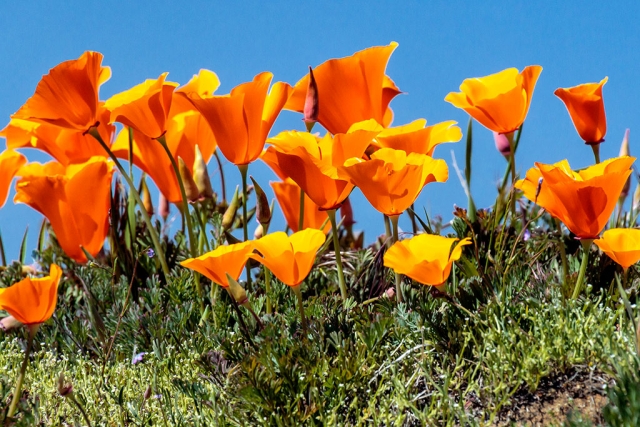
x=336, y=248
x=303, y=318
x=301, y=213
x=394, y=222
x=243, y=172
x=23, y=369
x=185, y=203
x=563, y=255
x=202, y=240
x=267, y=275
x=81, y=409
x=222, y=183
x=586, y=245
x=512, y=162
x=596, y=152
x=145, y=216
x=387, y=230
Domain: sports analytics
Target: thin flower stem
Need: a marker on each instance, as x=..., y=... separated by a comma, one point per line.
x=132, y=188
x=596, y=152
x=586, y=246
x=267, y=276
x=301, y=213
x=23, y=369
x=394, y=223
x=243, y=172
x=512, y=162
x=81, y=409
x=336, y=249
x=387, y=230
x=563, y=254
x=185, y=203
x=203, y=228
x=303, y=318
x=222, y=183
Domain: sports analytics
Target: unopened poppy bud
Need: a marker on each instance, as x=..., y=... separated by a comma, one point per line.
x=624, y=151
x=259, y=232
x=65, y=389
x=263, y=212
x=201, y=176
x=230, y=214
x=236, y=291
x=503, y=142
x=146, y=196
x=147, y=393
x=190, y=187
x=163, y=207
x=346, y=211
x=636, y=198
x=311, y=105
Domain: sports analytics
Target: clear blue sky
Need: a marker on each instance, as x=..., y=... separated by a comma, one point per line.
x=440, y=44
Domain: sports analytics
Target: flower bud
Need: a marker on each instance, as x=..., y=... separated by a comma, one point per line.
x=163, y=207
x=259, y=232
x=65, y=389
x=636, y=198
x=230, y=214
x=263, y=212
x=311, y=105
x=346, y=211
x=9, y=323
x=503, y=142
x=201, y=176
x=146, y=196
x=624, y=151
x=190, y=187
x=147, y=393
x=236, y=291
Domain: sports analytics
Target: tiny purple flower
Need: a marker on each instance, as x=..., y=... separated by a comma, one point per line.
x=527, y=235
x=138, y=357
x=151, y=253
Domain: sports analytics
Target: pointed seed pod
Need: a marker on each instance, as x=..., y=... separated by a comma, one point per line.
x=190, y=187
x=201, y=176
x=230, y=214
x=163, y=207
x=311, y=104
x=146, y=196
x=263, y=212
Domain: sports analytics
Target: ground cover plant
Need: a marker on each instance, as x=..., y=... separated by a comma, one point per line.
x=522, y=312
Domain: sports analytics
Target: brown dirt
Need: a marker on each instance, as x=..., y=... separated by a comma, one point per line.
x=577, y=390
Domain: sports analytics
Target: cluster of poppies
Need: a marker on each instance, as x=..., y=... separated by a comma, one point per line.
x=171, y=132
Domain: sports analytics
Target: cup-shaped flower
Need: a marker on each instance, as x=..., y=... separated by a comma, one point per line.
x=621, y=245
x=184, y=132
x=350, y=90
x=10, y=162
x=68, y=95
x=203, y=85
x=64, y=145
x=416, y=137
x=586, y=108
x=583, y=200
x=426, y=258
x=144, y=107
x=288, y=195
x=75, y=199
x=313, y=162
x=32, y=301
x=216, y=264
x=241, y=120
x=500, y=101
x=289, y=258
x=392, y=180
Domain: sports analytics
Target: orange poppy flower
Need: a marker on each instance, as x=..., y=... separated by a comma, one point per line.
x=203, y=85
x=10, y=162
x=313, y=162
x=64, y=145
x=224, y=259
x=241, y=120
x=184, y=131
x=583, y=200
x=350, y=90
x=426, y=258
x=621, y=245
x=32, y=301
x=288, y=196
x=68, y=95
x=499, y=101
x=586, y=108
x=289, y=258
x=392, y=179
x=75, y=199
x=416, y=137
x=144, y=107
